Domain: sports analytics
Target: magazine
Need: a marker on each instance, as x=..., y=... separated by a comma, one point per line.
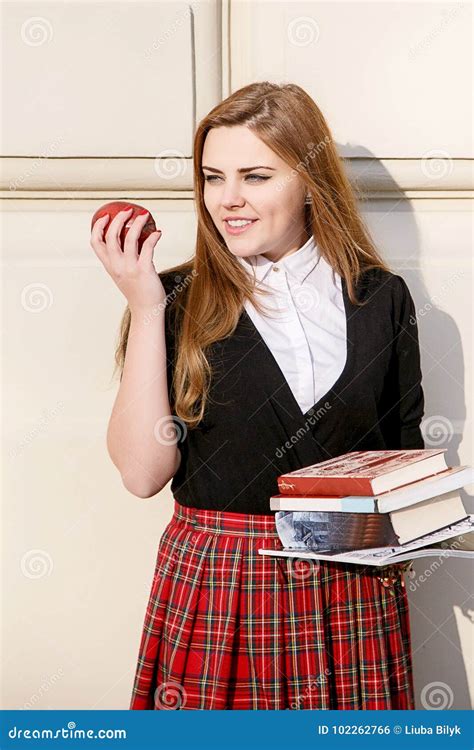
x=460, y=544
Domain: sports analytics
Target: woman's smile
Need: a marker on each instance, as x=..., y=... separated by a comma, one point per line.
x=238, y=227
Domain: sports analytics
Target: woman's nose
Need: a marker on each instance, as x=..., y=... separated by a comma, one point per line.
x=233, y=198
x=232, y=195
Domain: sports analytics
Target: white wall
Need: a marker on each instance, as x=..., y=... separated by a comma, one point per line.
x=393, y=81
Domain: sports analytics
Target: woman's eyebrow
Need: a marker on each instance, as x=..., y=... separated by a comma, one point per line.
x=241, y=171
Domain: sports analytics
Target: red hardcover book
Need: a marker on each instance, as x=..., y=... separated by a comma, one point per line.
x=364, y=472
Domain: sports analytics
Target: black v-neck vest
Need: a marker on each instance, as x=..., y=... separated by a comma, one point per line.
x=254, y=430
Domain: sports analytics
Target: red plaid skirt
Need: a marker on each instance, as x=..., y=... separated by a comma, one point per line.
x=227, y=628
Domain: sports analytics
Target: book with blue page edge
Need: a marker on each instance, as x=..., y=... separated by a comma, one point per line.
x=304, y=523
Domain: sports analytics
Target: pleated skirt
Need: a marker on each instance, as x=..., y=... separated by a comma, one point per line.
x=228, y=628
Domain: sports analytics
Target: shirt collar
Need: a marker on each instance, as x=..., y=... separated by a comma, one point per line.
x=298, y=264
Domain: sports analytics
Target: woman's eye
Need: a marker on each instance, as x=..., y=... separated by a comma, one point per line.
x=211, y=177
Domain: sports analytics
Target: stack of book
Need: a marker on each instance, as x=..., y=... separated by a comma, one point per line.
x=374, y=507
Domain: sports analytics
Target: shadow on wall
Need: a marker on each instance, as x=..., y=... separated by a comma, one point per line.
x=440, y=592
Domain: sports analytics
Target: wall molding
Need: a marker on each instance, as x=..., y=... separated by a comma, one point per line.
x=172, y=177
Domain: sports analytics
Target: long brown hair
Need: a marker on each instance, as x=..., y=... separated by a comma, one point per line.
x=287, y=120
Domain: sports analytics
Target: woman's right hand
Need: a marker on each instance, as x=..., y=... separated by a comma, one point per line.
x=133, y=273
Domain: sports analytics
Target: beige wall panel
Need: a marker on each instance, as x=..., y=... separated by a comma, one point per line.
x=79, y=548
x=108, y=78
x=390, y=77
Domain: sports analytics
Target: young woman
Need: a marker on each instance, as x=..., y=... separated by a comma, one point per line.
x=284, y=341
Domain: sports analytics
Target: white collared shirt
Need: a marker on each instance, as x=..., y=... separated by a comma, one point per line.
x=307, y=331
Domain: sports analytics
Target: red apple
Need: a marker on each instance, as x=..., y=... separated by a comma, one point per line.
x=114, y=208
